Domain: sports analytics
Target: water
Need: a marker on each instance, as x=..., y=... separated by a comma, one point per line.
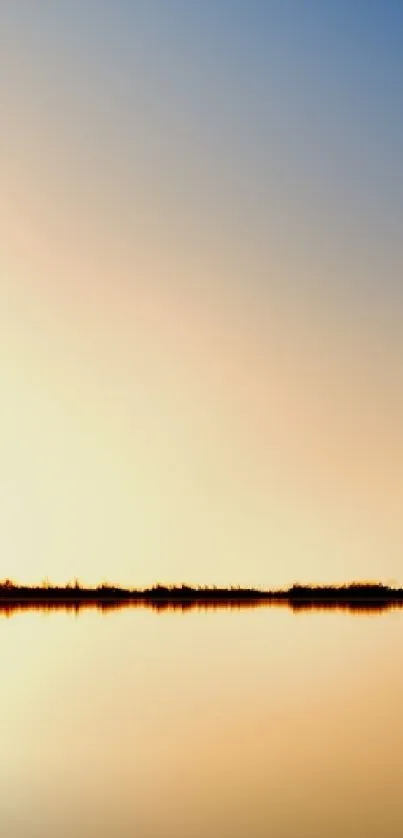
x=258, y=722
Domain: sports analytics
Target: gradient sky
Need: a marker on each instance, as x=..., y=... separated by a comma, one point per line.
x=201, y=290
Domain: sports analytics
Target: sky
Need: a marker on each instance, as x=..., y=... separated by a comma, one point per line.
x=201, y=290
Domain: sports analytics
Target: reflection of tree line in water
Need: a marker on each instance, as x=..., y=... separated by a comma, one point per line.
x=355, y=596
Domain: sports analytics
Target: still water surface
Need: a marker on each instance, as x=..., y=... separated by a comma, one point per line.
x=257, y=722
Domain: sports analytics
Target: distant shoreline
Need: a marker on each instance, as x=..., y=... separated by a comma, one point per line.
x=353, y=596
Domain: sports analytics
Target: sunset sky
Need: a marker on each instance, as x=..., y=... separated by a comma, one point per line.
x=201, y=290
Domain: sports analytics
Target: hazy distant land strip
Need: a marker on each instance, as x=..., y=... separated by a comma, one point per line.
x=355, y=596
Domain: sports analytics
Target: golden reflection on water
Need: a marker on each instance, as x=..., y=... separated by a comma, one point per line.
x=247, y=723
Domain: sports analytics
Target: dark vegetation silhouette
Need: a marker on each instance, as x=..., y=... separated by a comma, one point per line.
x=354, y=596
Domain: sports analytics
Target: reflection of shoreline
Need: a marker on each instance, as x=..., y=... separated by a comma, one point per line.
x=9, y=609
x=354, y=598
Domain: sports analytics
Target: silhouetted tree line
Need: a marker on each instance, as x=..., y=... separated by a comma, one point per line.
x=297, y=595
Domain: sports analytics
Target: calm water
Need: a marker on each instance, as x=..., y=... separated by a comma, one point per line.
x=228, y=723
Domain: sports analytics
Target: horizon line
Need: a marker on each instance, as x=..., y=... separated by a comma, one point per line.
x=362, y=596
